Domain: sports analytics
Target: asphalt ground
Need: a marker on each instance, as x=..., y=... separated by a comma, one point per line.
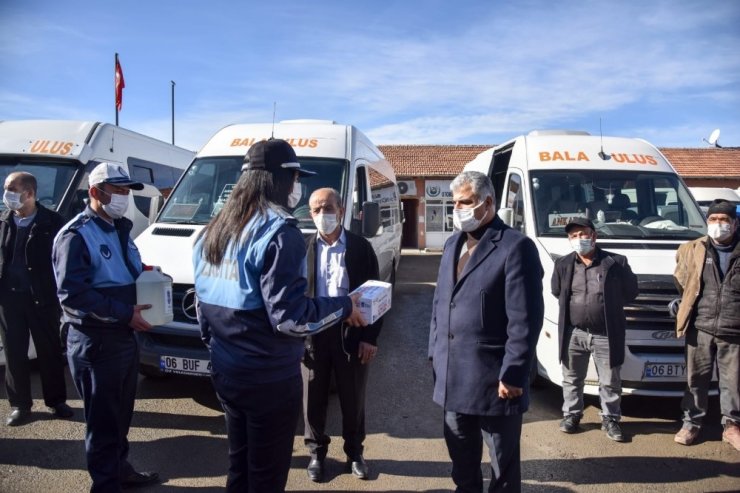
x=178, y=430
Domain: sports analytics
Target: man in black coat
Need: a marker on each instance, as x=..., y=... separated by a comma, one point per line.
x=338, y=262
x=28, y=300
x=592, y=287
x=487, y=314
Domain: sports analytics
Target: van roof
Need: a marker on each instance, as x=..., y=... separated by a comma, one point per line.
x=579, y=150
x=309, y=138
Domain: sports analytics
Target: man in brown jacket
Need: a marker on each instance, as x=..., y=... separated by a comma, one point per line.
x=708, y=277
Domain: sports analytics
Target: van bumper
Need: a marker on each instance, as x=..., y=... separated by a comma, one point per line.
x=175, y=340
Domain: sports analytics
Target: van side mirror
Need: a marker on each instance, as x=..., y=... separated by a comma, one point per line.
x=370, y=219
x=506, y=214
x=154, y=207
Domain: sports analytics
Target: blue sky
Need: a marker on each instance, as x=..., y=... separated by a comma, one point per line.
x=403, y=71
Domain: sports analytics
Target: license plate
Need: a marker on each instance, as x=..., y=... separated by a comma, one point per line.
x=665, y=370
x=185, y=366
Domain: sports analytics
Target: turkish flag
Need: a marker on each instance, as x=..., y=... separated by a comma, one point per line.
x=120, y=84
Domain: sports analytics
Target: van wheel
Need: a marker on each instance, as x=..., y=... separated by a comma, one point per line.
x=152, y=372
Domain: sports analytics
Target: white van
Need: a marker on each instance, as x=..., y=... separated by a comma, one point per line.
x=705, y=195
x=343, y=158
x=61, y=154
x=641, y=209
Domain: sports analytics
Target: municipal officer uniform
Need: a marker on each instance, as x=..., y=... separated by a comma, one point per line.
x=96, y=267
x=247, y=306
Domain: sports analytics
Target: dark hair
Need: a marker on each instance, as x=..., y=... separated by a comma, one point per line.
x=25, y=180
x=255, y=192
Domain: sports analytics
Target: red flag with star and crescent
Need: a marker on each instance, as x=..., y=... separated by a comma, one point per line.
x=120, y=84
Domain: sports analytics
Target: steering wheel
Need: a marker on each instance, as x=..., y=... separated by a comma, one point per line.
x=47, y=200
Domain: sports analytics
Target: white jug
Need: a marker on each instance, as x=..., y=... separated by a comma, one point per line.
x=155, y=288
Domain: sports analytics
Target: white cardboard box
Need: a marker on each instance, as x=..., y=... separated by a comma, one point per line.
x=375, y=300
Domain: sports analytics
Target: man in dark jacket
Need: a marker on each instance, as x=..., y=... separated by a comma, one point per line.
x=28, y=301
x=708, y=277
x=338, y=262
x=592, y=286
x=487, y=315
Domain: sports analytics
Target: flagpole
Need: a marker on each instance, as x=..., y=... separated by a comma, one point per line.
x=173, y=111
x=115, y=87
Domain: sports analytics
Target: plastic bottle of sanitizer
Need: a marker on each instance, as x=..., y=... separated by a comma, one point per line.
x=155, y=288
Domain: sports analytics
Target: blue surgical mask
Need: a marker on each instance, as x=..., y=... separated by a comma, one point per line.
x=12, y=200
x=582, y=246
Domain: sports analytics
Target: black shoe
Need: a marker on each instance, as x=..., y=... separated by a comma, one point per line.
x=569, y=424
x=613, y=430
x=62, y=411
x=359, y=468
x=136, y=479
x=315, y=470
x=18, y=417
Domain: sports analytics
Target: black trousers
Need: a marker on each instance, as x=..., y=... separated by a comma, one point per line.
x=19, y=319
x=260, y=425
x=351, y=379
x=465, y=434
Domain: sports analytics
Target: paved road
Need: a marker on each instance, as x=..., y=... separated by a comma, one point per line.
x=179, y=431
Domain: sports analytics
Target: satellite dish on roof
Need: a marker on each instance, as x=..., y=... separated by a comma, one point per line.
x=713, y=138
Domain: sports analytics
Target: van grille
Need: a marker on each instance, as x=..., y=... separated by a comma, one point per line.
x=183, y=303
x=183, y=232
x=650, y=310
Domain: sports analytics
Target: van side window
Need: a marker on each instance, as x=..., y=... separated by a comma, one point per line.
x=385, y=192
x=359, y=196
x=514, y=199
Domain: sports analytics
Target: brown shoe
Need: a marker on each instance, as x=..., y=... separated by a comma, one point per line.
x=731, y=434
x=686, y=436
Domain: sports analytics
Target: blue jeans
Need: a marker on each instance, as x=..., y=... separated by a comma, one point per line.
x=465, y=434
x=581, y=346
x=702, y=352
x=261, y=421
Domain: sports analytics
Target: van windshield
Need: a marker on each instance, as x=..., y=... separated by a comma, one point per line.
x=206, y=185
x=53, y=178
x=622, y=204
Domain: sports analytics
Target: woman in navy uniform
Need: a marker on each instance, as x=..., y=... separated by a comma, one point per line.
x=250, y=281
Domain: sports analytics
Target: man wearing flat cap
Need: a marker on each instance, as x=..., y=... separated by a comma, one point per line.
x=707, y=276
x=592, y=286
x=96, y=265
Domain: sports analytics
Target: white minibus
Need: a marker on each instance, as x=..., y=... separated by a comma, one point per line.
x=641, y=209
x=343, y=158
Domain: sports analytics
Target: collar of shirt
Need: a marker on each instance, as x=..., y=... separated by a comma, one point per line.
x=23, y=222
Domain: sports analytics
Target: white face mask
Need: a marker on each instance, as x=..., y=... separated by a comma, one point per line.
x=464, y=219
x=117, y=206
x=719, y=231
x=295, y=195
x=12, y=200
x=326, y=223
x=582, y=246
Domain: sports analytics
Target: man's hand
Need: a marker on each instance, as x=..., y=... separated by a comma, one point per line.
x=508, y=391
x=355, y=318
x=137, y=321
x=366, y=352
